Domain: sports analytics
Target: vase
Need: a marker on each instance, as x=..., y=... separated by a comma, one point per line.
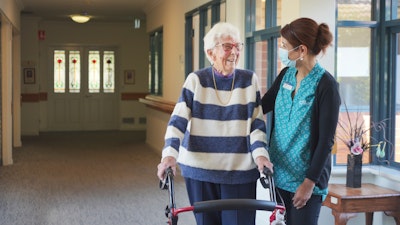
x=353, y=175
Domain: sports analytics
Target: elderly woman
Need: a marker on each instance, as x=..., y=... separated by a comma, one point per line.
x=217, y=132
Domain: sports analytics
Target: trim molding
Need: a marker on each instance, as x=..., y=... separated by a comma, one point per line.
x=130, y=96
x=34, y=97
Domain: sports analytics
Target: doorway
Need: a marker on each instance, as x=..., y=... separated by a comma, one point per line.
x=82, y=91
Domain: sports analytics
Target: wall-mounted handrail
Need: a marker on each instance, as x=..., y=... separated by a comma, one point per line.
x=158, y=103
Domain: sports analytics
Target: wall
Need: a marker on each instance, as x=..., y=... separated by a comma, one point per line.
x=9, y=75
x=132, y=48
x=11, y=10
x=30, y=58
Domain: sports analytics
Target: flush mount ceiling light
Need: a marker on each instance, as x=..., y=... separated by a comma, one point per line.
x=82, y=18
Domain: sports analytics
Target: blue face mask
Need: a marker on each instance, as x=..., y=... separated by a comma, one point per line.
x=284, y=56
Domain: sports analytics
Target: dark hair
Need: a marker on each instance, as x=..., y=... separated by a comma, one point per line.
x=305, y=31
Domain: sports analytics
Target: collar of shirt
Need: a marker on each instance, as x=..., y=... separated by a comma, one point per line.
x=221, y=75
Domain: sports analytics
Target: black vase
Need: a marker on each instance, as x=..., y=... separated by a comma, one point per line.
x=353, y=175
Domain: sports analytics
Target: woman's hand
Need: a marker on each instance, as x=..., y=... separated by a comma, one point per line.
x=303, y=193
x=168, y=161
x=262, y=162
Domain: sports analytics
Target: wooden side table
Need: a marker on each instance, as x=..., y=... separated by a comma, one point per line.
x=370, y=198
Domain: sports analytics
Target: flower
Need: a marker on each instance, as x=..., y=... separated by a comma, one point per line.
x=355, y=134
x=356, y=149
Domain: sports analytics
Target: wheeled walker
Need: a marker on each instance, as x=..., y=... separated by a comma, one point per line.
x=267, y=181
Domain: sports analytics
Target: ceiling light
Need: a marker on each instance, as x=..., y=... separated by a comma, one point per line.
x=80, y=18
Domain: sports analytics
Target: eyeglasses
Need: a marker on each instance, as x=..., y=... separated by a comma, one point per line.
x=228, y=46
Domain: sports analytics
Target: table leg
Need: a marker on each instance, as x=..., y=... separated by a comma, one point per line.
x=396, y=216
x=369, y=217
x=342, y=218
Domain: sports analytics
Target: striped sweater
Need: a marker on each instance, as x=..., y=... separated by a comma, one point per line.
x=213, y=142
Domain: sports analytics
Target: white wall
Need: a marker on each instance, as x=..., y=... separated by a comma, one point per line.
x=11, y=10
x=173, y=25
x=10, y=55
x=132, y=48
x=30, y=58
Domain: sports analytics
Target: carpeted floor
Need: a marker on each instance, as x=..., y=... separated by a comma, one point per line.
x=85, y=178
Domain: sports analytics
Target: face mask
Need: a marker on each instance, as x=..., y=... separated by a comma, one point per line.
x=284, y=56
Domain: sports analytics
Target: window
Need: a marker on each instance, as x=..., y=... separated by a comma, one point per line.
x=68, y=73
x=368, y=71
x=367, y=65
x=108, y=71
x=198, y=23
x=94, y=71
x=74, y=71
x=155, y=60
x=354, y=79
x=353, y=71
x=262, y=40
x=59, y=71
x=397, y=88
x=395, y=71
x=394, y=13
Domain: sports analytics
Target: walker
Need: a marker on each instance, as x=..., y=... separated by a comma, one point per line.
x=267, y=181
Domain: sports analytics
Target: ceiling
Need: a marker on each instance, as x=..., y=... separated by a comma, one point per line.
x=99, y=10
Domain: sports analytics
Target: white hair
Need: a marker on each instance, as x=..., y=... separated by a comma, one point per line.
x=216, y=33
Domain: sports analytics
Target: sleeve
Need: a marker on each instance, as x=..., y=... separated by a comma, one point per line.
x=268, y=100
x=258, y=139
x=180, y=118
x=328, y=103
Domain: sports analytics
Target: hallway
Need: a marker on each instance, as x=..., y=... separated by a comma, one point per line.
x=88, y=178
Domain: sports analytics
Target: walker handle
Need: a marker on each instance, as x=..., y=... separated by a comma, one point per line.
x=233, y=204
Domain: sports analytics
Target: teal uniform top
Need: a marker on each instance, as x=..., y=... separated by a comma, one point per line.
x=290, y=141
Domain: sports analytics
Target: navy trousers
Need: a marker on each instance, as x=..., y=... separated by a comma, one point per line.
x=202, y=191
x=308, y=215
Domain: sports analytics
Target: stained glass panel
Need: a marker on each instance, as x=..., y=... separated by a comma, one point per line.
x=74, y=71
x=94, y=72
x=59, y=71
x=108, y=71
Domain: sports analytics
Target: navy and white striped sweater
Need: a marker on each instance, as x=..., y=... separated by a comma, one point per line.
x=214, y=142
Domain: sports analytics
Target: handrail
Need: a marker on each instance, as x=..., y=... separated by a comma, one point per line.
x=158, y=103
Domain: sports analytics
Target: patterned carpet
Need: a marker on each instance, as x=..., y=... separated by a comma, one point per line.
x=85, y=178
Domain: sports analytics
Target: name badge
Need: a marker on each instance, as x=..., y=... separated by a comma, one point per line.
x=287, y=86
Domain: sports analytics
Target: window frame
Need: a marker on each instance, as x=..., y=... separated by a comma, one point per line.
x=271, y=34
x=384, y=106
x=156, y=46
x=382, y=81
x=215, y=7
x=390, y=86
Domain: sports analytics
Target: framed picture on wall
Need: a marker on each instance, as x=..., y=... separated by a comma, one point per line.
x=29, y=76
x=129, y=77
